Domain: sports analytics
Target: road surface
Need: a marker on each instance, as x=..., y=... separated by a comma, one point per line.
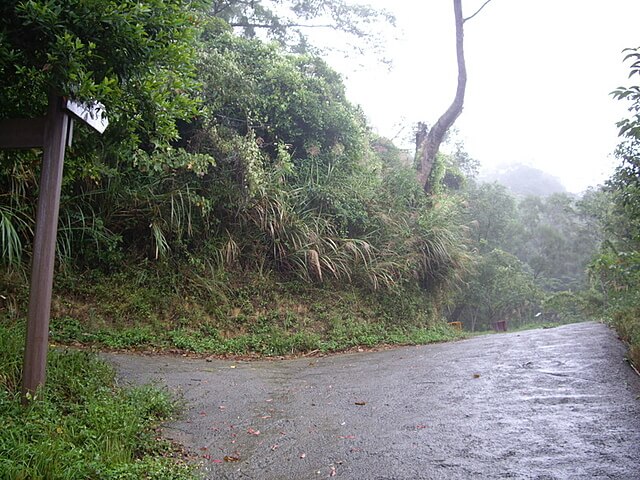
x=558, y=403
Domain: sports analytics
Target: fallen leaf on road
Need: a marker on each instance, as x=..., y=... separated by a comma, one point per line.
x=332, y=473
x=217, y=460
x=253, y=432
x=419, y=427
x=476, y=375
x=274, y=447
x=348, y=437
x=231, y=459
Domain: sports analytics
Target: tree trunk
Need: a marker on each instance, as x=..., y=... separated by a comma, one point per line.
x=431, y=144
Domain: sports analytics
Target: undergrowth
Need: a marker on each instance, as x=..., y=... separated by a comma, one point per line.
x=80, y=425
x=271, y=340
x=624, y=316
x=160, y=309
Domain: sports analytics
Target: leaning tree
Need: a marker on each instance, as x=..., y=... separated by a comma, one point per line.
x=428, y=142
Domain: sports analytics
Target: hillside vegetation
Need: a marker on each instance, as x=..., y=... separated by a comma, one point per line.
x=236, y=189
x=616, y=269
x=238, y=197
x=238, y=203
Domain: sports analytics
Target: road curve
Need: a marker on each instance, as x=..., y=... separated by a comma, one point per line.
x=558, y=403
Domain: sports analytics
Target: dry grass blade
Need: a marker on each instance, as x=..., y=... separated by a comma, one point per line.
x=231, y=250
x=160, y=241
x=10, y=244
x=313, y=261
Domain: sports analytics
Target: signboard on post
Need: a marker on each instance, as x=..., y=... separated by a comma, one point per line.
x=52, y=133
x=91, y=113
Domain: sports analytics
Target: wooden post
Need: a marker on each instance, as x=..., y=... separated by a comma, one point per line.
x=44, y=248
x=53, y=134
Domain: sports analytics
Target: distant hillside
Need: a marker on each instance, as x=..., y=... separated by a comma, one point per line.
x=524, y=180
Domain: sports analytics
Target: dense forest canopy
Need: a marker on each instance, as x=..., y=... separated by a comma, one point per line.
x=233, y=154
x=136, y=57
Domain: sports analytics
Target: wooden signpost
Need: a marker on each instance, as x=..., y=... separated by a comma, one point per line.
x=52, y=133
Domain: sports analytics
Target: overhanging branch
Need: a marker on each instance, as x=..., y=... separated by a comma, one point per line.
x=273, y=25
x=477, y=11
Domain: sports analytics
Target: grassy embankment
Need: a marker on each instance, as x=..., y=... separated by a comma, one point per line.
x=624, y=316
x=154, y=309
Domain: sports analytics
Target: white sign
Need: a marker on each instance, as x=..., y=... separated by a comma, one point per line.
x=92, y=113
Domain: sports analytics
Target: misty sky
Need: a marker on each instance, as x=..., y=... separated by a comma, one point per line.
x=540, y=73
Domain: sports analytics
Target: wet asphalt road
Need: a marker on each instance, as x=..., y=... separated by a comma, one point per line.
x=558, y=403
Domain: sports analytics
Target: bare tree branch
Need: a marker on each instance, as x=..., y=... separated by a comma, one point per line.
x=428, y=142
x=477, y=11
x=286, y=25
x=219, y=7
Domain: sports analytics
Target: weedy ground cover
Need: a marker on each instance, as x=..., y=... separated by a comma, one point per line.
x=81, y=425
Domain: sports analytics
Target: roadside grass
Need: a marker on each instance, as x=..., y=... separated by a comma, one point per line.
x=270, y=339
x=624, y=316
x=81, y=425
x=170, y=308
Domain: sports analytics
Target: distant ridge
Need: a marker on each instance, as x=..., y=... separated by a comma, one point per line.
x=524, y=180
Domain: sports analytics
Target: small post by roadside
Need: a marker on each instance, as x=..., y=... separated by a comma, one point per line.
x=52, y=133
